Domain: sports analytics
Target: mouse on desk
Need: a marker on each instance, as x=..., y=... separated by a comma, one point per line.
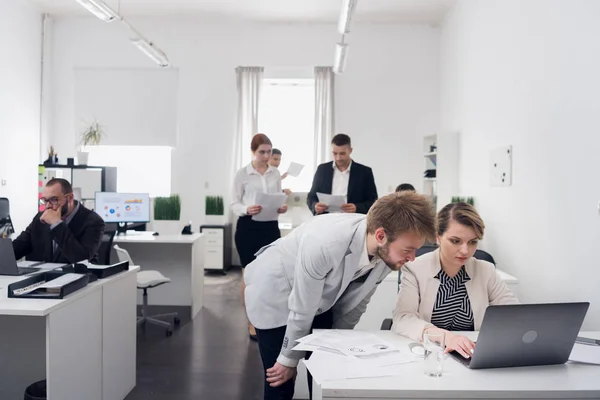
x=155, y=234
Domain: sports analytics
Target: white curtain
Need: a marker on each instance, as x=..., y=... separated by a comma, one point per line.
x=324, y=113
x=249, y=85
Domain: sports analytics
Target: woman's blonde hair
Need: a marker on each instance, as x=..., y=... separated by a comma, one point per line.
x=402, y=212
x=463, y=213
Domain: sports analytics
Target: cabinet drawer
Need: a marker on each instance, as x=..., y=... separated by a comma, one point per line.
x=213, y=236
x=213, y=258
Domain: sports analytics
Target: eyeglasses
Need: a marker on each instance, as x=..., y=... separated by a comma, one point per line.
x=53, y=201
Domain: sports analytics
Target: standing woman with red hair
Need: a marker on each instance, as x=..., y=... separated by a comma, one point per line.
x=255, y=177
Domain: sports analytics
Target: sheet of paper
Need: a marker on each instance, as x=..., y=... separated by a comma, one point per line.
x=294, y=169
x=329, y=366
x=28, y=264
x=584, y=353
x=270, y=203
x=334, y=202
x=60, y=281
x=50, y=266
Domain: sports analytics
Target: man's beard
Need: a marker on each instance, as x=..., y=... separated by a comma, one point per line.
x=64, y=210
x=383, y=254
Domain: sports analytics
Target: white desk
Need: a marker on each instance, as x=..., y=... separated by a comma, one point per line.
x=381, y=307
x=568, y=381
x=178, y=257
x=83, y=345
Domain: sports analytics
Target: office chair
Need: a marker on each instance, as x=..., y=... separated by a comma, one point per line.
x=386, y=324
x=6, y=225
x=147, y=280
x=106, y=248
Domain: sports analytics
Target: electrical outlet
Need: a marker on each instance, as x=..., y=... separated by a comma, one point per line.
x=3, y=182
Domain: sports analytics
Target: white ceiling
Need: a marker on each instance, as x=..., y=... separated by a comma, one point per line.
x=297, y=11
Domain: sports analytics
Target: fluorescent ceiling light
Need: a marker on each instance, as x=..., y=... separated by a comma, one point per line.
x=156, y=54
x=348, y=7
x=341, y=53
x=100, y=9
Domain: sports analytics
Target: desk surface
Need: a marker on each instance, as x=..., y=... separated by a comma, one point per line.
x=146, y=237
x=569, y=380
x=41, y=307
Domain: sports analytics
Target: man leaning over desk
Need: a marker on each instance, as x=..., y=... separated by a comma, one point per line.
x=65, y=232
x=343, y=176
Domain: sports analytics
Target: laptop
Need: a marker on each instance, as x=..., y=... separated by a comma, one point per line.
x=8, y=262
x=526, y=334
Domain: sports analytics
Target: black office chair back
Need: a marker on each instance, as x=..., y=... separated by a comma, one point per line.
x=479, y=254
x=6, y=225
x=4, y=208
x=106, y=247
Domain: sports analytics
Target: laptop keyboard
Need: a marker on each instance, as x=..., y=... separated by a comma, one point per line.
x=461, y=359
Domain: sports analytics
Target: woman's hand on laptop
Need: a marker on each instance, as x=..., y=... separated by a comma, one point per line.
x=461, y=344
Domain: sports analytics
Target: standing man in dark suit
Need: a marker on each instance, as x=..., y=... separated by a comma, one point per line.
x=65, y=232
x=345, y=177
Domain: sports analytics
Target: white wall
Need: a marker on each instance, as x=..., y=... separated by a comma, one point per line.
x=20, y=69
x=386, y=102
x=525, y=73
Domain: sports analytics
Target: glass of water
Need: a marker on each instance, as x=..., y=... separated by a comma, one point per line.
x=433, y=343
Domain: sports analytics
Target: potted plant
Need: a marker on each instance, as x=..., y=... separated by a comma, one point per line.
x=214, y=209
x=459, y=199
x=167, y=212
x=92, y=136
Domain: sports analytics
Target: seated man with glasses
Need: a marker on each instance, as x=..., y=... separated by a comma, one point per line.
x=65, y=232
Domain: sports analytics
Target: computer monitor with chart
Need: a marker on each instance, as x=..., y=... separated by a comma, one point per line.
x=123, y=208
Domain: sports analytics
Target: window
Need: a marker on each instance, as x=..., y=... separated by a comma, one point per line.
x=287, y=117
x=140, y=169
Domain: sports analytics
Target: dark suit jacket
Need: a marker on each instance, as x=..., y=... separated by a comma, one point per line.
x=361, y=186
x=77, y=241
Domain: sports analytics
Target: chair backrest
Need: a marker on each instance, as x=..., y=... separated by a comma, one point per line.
x=123, y=254
x=4, y=208
x=106, y=247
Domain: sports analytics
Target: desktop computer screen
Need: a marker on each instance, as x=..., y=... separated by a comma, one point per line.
x=123, y=207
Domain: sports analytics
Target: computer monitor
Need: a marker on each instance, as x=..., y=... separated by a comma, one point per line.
x=123, y=208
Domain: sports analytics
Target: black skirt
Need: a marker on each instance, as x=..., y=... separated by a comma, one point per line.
x=251, y=235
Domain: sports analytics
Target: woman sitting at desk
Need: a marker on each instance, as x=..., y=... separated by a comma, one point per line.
x=449, y=290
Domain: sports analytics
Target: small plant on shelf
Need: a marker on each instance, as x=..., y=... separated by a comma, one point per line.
x=214, y=205
x=167, y=208
x=93, y=135
x=459, y=199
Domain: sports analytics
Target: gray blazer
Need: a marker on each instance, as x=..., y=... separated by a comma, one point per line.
x=307, y=273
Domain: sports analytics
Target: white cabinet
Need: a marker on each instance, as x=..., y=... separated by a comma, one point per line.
x=217, y=246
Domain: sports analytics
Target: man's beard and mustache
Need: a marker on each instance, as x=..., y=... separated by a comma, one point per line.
x=383, y=253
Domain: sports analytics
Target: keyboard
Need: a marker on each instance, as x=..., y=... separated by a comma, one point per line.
x=464, y=361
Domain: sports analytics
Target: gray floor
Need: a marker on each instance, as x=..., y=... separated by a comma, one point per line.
x=210, y=358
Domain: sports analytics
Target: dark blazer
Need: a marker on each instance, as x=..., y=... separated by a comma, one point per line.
x=361, y=186
x=77, y=241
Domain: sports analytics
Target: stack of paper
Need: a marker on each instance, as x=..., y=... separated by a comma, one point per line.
x=351, y=354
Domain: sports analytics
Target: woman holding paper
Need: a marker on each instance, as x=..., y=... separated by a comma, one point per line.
x=252, y=231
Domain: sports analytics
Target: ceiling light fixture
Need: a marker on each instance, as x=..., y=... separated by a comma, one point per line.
x=100, y=9
x=348, y=7
x=156, y=54
x=341, y=53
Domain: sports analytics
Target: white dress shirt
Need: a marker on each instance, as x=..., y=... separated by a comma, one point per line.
x=247, y=182
x=340, y=180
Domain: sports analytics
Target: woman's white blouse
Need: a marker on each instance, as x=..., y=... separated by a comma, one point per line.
x=248, y=182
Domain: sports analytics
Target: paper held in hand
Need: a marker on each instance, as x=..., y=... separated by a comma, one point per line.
x=270, y=203
x=334, y=202
x=295, y=169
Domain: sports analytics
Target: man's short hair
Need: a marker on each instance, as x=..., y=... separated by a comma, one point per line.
x=275, y=152
x=403, y=187
x=402, y=212
x=341, y=139
x=65, y=186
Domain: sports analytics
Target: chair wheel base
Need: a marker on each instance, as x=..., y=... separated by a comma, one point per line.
x=169, y=332
x=176, y=321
